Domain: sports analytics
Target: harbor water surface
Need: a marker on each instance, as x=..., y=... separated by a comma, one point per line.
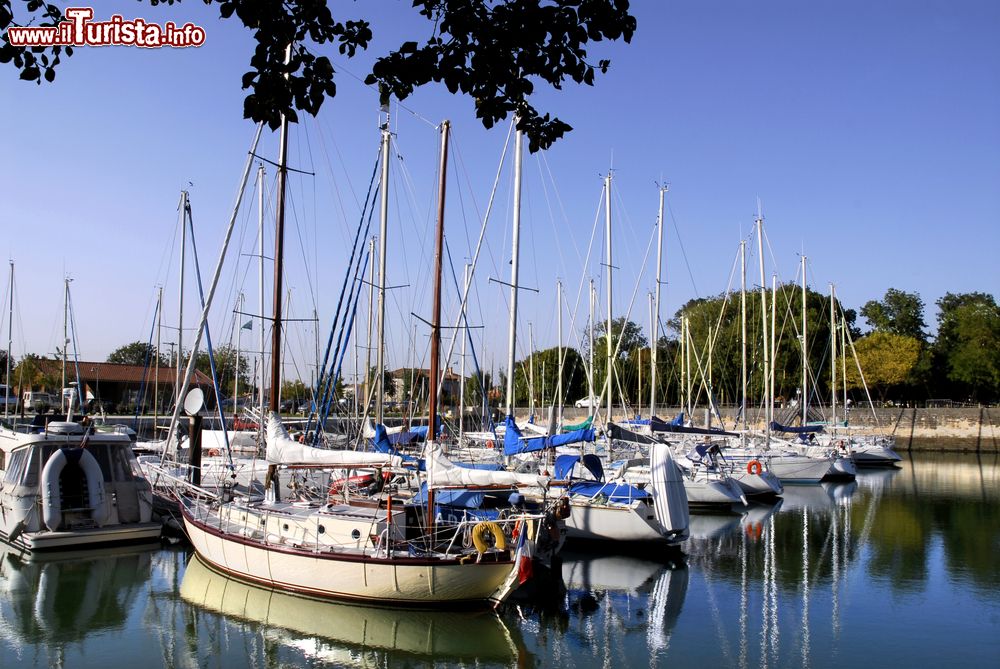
x=898, y=569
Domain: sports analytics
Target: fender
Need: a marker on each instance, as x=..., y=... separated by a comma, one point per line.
x=51, y=496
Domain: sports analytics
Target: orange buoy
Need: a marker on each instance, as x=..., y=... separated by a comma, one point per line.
x=754, y=467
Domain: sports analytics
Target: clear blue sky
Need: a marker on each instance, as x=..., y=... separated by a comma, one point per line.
x=870, y=131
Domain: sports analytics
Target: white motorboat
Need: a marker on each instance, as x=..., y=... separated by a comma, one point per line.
x=68, y=487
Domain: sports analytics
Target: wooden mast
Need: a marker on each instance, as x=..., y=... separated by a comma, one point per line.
x=432, y=394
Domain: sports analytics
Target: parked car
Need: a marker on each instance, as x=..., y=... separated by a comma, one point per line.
x=37, y=402
x=586, y=403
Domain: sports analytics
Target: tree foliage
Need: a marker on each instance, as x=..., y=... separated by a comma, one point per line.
x=967, y=348
x=226, y=365
x=546, y=377
x=137, y=353
x=30, y=374
x=493, y=51
x=887, y=359
x=898, y=312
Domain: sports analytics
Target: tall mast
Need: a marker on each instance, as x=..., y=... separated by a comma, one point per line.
x=383, y=238
x=156, y=360
x=260, y=286
x=279, y=254
x=10, y=340
x=833, y=355
x=432, y=395
x=369, y=380
x=688, y=374
x=236, y=364
x=62, y=389
x=610, y=354
x=515, y=254
x=531, y=371
x=763, y=314
x=559, y=365
x=656, y=305
x=743, y=329
x=774, y=345
x=590, y=367
x=465, y=343
x=652, y=347
x=180, y=298
x=805, y=350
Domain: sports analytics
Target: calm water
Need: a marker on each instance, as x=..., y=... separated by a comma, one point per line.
x=901, y=569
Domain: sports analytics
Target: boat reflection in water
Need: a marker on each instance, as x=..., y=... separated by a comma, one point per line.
x=611, y=599
x=347, y=634
x=52, y=600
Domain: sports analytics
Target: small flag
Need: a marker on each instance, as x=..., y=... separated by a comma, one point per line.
x=247, y=326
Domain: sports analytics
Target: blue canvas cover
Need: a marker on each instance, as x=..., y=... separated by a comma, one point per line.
x=564, y=466
x=594, y=466
x=381, y=444
x=615, y=492
x=468, y=499
x=807, y=429
x=514, y=442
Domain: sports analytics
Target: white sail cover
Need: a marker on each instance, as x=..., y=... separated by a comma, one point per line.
x=369, y=429
x=443, y=472
x=283, y=450
x=669, y=499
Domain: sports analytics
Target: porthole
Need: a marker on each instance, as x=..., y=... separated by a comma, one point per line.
x=355, y=534
x=321, y=529
x=285, y=527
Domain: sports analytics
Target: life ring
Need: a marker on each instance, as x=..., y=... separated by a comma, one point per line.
x=754, y=467
x=213, y=453
x=490, y=444
x=479, y=531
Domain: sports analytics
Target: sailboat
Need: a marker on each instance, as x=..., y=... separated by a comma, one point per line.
x=364, y=550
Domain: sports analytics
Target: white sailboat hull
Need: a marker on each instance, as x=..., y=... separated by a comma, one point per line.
x=633, y=522
x=350, y=576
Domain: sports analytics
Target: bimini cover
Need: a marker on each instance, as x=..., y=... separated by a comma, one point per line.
x=467, y=499
x=564, y=466
x=669, y=498
x=806, y=429
x=615, y=492
x=514, y=442
x=594, y=466
x=283, y=450
x=443, y=472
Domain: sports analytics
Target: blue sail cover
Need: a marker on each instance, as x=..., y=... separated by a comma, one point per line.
x=615, y=492
x=514, y=442
x=468, y=499
x=806, y=429
x=382, y=444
